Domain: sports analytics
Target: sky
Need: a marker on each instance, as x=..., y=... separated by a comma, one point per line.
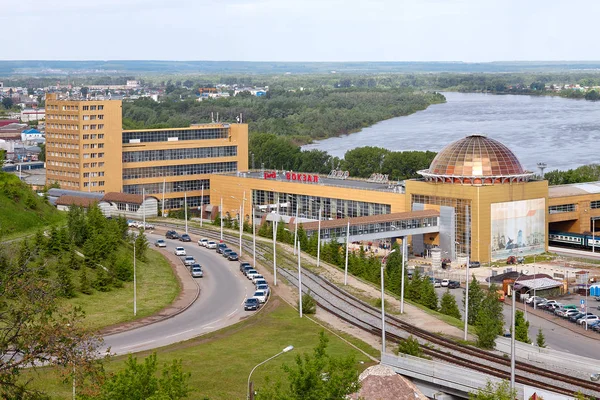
x=300, y=30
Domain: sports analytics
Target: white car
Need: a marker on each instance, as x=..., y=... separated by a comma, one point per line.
x=179, y=251
x=132, y=224
x=250, y=274
x=257, y=277
x=189, y=260
x=588, y=319
x=202, y=242
x=445, y=282
x=260, y=295
x=262, y=281
x=264, y=288
x=211, y=245
x=160, y=243
x=532, y=298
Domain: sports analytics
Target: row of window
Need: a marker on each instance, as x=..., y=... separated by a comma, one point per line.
x=71, y=117
x=64, y=184
x=93, y=184
x=179, y=154
x=308, y=206
x=179, y=170
x=61, y=136
x=93, y=127
x=127, y=207
x=562, y=208
x=178, y=202
x=93, y=174
x=63, y=108
x=93, y=165
x=93, y=146
x=63, y=164
x=175, y=135
x=62, y=145
x=595, y=204
x=364, y=229
x=93, y=108
x=93, y=155
x=93, y=136
x=93, y=117
x=169, y=187
x=63, y=173
x=63, y=154
x=68, y=127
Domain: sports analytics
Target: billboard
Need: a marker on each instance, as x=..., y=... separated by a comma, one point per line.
x=518, y=228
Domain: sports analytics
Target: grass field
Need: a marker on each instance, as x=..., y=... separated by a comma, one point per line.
x=157, y=287
x=23, y=211
x=220, y=362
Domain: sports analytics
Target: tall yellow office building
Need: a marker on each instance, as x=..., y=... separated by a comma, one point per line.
x=87, y=150
x=83, y=144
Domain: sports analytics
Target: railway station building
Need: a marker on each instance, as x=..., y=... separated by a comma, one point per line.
x=478, y=199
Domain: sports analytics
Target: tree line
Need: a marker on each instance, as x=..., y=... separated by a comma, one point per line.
x=585, y=173
x=276, y=152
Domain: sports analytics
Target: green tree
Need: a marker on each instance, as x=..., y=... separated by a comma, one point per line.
x=138, y=381
x=7, y=102
x=414, y=291
x=476, y=297
x=428, y=296
x=448, y=305
x=540, y=339
x=103, y=280
x=410, y=346
x=316, y=377
x=489, y=320
x=85, y=286
x=141, y=246
x=521, y=328
x=65, y=282
x=309, y=304
x=499, y=391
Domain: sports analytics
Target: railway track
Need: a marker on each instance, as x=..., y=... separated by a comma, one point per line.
x=356, y=312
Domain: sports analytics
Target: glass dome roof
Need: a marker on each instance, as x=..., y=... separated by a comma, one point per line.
x=475, y=157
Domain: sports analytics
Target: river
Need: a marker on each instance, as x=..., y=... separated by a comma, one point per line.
x=563, y=133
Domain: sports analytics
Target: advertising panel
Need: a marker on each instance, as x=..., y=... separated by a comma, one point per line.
x=518, y=228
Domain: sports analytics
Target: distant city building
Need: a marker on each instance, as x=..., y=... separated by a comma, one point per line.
x=33, y=114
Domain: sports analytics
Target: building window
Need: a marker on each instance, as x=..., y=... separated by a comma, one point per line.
x=562, y=208
x=179, y=134
x=92, y=108
x=122, y=206
x=595, y=204
x=179, y=154
x=100, y=116
x=100, y=107
x=86, y=108
x=179, y=170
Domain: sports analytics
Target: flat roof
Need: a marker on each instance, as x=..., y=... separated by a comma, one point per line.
x=351, y=183
x=574, y=189
x=371, y=219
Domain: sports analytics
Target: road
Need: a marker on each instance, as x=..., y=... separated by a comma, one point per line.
x=557, y=337
x=222, y=293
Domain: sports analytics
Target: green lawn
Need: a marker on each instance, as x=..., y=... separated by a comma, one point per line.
x=157, y=287
x=220, y=362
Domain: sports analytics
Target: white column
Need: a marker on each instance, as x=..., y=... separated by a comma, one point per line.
x=274, y=253
x=163, y=197
x=241, y=223
x=253, y=239
x=512, y=338
x=347, y=245
x=299, y=282
x=296, y=225
x=202, y=206
x=382, y=312
x=134, y=283
x=221, y=215
x=468, y=248
x=593, y=235
x=319, y=240
x=404, y=247
x=185, y=211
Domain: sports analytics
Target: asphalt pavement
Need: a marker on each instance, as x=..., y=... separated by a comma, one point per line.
x=223, y=291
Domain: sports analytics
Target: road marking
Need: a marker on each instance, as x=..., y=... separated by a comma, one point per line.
x=139, y=344
x=233, y=312
x=180, y=333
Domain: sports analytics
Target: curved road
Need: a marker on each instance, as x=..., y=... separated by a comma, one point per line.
x=223, y=290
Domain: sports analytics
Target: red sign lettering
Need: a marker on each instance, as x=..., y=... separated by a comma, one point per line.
x=298, y=177
x=270, y=175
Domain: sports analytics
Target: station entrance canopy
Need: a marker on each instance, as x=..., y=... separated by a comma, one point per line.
x=375, y=227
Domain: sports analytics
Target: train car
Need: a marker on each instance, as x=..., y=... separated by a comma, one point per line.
x=568, y=239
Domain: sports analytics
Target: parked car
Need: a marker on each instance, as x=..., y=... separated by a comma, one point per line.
x=202, y=242
x=575, y=317
x=185, y=238
x=179, y=251
x=474, y=264
x=568, y=313
x=453, y=285
x=250, y=274
x=247, y=268
x=211, y=245
x=548, y=304
x=172, y=235
x=244, y=264
x=261, y=281
x=251, y=304
x=226, y=252
x=597, y=298
x=445, y=282
x=264, y=288
x=146, y=226
x=586, y=320
x=196, y=271
x=221, y=247
x=435, y=282
x=232, y=256
x=260, y=295
x=160, y=243
x=132, y=224
x=189, y=260
x=531, y=299
x=257, y=278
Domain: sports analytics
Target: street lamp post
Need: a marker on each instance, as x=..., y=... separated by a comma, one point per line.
x=512, y=332
x=299, y=282
x=185, y=207
x=202, y=206
x=319, y=239
x=253, y=239
x=404, y=248
x=134, y=283
x=347, y=245
x=250, y=395
x=383, y=260
x=221, y=215
x=296, y=226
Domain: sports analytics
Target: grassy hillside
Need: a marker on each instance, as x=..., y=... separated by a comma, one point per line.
x=21, y=209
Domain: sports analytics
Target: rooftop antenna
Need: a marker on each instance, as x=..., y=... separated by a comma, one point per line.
x=217, y=117
x=212, y=117
x=542, y=166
